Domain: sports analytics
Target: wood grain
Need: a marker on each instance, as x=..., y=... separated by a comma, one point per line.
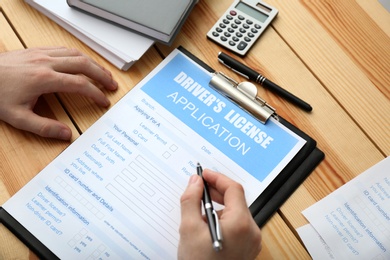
x=24, y=154
x=333, y=54
x=366, y=44
x=353, y=68
x=377, y=13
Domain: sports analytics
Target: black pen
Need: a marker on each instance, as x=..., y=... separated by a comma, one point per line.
x=212, y=217
x=249, y=73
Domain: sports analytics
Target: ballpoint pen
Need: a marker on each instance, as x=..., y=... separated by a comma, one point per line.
x=211, y=214
x=249, y=73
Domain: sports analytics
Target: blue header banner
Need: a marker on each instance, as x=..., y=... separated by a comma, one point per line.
x=182, y=87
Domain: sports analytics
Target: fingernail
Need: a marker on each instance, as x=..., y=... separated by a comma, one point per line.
x=114, y=84
x=106, y=70
x=193, y=179
x=65, y=134
x=106, y=102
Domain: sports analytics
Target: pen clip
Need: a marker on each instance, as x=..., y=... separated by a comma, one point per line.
x=243, y=94
x=217, y=230
x=236, y=71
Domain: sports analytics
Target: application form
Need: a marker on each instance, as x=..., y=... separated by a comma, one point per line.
x=353, y=222
x=115, y=192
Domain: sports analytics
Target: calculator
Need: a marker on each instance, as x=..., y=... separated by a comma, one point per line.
x=242, y=24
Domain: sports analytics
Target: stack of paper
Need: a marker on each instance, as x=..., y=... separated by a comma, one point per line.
x=116, y=44
x=353, y=222
x=158, y=20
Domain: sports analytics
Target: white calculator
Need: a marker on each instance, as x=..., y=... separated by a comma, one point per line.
x=242, y=24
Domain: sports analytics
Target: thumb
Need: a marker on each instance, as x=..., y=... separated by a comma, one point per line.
x=42, y=126
x=191, y=199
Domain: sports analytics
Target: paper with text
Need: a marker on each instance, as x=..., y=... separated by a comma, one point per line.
x=353, y=222
x=115, y=192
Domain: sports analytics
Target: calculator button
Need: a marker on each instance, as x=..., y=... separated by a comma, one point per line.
x=242, y=30
x=247, y=39
x=215, y=34
x=227, y=34
x=229, y=17
x=223, y=38
x=251, y=35
x=235, y=39
x=241, y=17
x=225, y=21
x=237, y=21
x=234, y=26
x=234, y=13
x=230, y=30
x=218, y=29
x=254, y=30
x=257, y=26
x=245, y=26
x=249, y=22
x=232, y=43
x=222, y=25
x=238, y=34
x=242, y=45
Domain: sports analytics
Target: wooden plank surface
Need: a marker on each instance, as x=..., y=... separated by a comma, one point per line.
x=24, y=154
x=349, y=54
x=10, y=246
x=333, y=54
x=310, y=69
x=347, y=65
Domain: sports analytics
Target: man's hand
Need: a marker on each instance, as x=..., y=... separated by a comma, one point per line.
x=25, y=75
x=241, y=235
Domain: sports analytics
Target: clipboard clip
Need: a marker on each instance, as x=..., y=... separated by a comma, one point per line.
x=244, y=94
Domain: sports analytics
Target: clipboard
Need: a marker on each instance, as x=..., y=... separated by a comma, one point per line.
x=289, y=179
x=266, y=204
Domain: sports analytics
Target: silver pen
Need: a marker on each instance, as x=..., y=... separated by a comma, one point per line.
x=211, y=214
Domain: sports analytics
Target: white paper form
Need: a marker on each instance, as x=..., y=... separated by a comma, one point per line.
x=115, y=192
x=353, y=222
x=314, y=243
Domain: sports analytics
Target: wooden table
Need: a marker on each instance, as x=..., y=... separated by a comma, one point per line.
x=333, y=54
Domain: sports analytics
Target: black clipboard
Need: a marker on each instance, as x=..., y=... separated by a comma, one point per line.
x=262, y=209
x=288, y=180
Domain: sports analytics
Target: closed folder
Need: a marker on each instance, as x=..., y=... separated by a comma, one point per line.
x=158, y=20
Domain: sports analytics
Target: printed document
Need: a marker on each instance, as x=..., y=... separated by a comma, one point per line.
x=115, y=192
x=353, y=222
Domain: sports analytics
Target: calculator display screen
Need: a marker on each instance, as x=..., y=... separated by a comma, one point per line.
x=252, y=12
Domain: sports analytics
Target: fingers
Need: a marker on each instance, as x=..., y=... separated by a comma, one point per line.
x=45, y=127
x=191, y=198
x=30, y=73
x=190, y=206
x=224, y=190
x=74, y=62
x=79, y=84
x=74, y=73
x=193, y=229
x=85, y=66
